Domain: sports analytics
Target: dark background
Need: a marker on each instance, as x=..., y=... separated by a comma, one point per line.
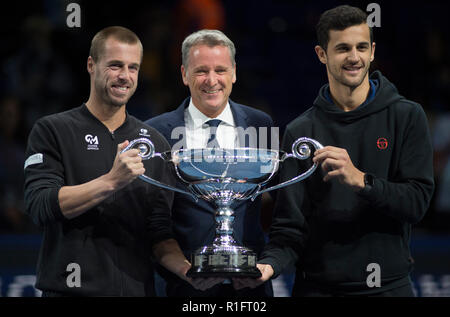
x=43, y=71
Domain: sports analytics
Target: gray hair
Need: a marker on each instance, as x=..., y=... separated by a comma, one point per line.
x=206, y=37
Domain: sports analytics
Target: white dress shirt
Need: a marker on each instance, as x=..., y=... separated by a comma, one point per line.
x=197, y=131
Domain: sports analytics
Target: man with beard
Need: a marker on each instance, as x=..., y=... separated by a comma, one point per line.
x=347, y=227
x=100, y=224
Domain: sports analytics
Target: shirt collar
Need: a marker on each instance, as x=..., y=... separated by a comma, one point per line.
x=198, y=118
x=373, y=89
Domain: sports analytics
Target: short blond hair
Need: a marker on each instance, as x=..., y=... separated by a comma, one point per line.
x=119, y=33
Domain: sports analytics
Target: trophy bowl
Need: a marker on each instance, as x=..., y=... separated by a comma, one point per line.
x=221, y=176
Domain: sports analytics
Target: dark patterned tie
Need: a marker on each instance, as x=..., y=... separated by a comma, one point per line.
x=212, y=141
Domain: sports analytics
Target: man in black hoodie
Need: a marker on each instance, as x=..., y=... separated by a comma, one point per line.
x=347, y=227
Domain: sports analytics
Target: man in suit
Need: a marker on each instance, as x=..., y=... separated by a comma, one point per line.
x=209, y=70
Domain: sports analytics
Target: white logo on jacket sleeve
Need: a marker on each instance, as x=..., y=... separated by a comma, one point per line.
x=92, y=142
x=144, y=132
x=34, y=159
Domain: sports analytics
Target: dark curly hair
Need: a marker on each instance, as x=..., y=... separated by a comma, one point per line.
x=339, y=18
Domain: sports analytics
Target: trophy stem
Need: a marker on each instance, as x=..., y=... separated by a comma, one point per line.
x=224, y=224
x=224, y=258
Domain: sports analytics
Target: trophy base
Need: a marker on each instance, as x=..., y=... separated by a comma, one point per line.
x=224, y=261
x=226, y=274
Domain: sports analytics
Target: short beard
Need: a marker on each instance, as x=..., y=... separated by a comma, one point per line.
x=108, y=100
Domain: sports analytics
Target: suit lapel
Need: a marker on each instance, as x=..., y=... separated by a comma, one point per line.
x=241, y=120
x=177, y=125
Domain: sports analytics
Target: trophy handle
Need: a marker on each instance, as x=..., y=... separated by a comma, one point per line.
x=301, y=151
x=147, y=151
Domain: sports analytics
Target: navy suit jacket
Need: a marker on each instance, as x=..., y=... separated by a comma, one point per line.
x=193, y=222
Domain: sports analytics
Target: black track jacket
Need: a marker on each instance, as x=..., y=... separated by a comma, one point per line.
x=111, y=243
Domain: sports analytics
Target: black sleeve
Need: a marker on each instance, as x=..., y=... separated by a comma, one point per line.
x=44, y=175
x=289, y=229
x=159, y=223
x=408, y=196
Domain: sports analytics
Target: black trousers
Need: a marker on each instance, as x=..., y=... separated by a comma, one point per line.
x=184, y=289
x=307, y=289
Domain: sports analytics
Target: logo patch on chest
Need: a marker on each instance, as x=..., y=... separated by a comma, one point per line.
x=382, y=143
x=92, y=142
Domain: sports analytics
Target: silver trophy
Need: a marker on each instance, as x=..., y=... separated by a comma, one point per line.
x=222, y=176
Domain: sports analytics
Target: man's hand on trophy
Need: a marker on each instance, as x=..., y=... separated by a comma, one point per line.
x=266, y=274
x=127, y=166
x=199, y=283
x=169, y=255
x=336, y=163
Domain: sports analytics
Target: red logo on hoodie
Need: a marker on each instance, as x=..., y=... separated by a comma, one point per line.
x=382, y=143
